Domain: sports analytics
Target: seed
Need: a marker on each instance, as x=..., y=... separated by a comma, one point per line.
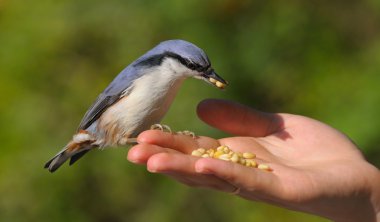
x=235, y=158
x=247, y=163
x=220, y=84
x=218, y=154
x=224, y=157
x=220, y=148
x=196, y=153
x=264, y=167
x=226, y=149
x=202, y=150
x=210, y=150
x=249, y=155
x=205, y=155
x=242, y=161
x=212, y=80
x=251, y=162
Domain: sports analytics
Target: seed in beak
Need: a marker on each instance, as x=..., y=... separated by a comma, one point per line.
x=220, y=84
x=212, y=80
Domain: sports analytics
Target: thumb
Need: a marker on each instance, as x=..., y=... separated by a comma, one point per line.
x=238, y=119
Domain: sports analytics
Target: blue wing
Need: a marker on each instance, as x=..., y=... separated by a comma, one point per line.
x=117, y=89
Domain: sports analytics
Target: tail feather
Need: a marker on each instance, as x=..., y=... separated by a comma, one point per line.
x=82, y=142
x=67, y=153
x=59, y=159
x=77, y=156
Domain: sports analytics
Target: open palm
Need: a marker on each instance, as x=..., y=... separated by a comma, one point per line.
x=316, y=168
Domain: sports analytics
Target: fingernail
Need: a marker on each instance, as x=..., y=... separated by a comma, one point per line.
x=151, y=170
x=133, y=160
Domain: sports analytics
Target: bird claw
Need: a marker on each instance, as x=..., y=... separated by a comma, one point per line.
x=163, y=128
x=187, y=133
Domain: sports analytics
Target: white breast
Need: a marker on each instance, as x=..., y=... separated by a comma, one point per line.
x=146, y=104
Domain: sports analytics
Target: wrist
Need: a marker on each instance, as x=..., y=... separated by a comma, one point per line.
x=376, y=194
x=360, y=203
x=366, y=207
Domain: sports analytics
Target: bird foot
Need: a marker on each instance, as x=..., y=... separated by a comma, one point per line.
x=163, y=128
x=187, y=133
x=127, y=141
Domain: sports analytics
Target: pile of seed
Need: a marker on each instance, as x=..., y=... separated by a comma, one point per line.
x=225, y=153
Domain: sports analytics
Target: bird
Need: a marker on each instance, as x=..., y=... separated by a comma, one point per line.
x=137, y=98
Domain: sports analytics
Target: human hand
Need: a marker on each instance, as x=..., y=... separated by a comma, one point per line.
x=316, y=169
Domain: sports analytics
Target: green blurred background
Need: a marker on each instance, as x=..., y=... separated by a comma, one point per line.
x=315, y=58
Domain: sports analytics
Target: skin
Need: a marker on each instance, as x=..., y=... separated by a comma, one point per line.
x=315, y=168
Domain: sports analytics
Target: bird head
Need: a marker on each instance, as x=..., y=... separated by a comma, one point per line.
x=182, y=59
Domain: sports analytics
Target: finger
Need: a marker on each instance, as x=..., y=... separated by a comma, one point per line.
x=250, y=180
x=140, y=153
x=182, y=143
x=202, y=181
x=181, y=168
x=238, y=119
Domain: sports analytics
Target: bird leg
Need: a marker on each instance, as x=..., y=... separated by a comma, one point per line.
x=163, y=128
x=127, y=141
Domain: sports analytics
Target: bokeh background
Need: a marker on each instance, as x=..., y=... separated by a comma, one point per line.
x=315, y=58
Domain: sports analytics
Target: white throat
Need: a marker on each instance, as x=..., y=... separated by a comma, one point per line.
x=147, y=103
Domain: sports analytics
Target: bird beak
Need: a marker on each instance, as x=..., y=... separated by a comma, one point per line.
x=211, y=77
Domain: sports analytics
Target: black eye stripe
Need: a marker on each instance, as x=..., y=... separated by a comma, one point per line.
x=195, y=66
x=156, y=60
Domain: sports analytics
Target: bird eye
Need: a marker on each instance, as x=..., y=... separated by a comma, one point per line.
x=191, y=66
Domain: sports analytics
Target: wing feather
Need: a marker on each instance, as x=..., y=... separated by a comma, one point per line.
x=120, y=87
x=97, y=109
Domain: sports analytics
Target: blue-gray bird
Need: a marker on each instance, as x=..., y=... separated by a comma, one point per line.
x=137, y=98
